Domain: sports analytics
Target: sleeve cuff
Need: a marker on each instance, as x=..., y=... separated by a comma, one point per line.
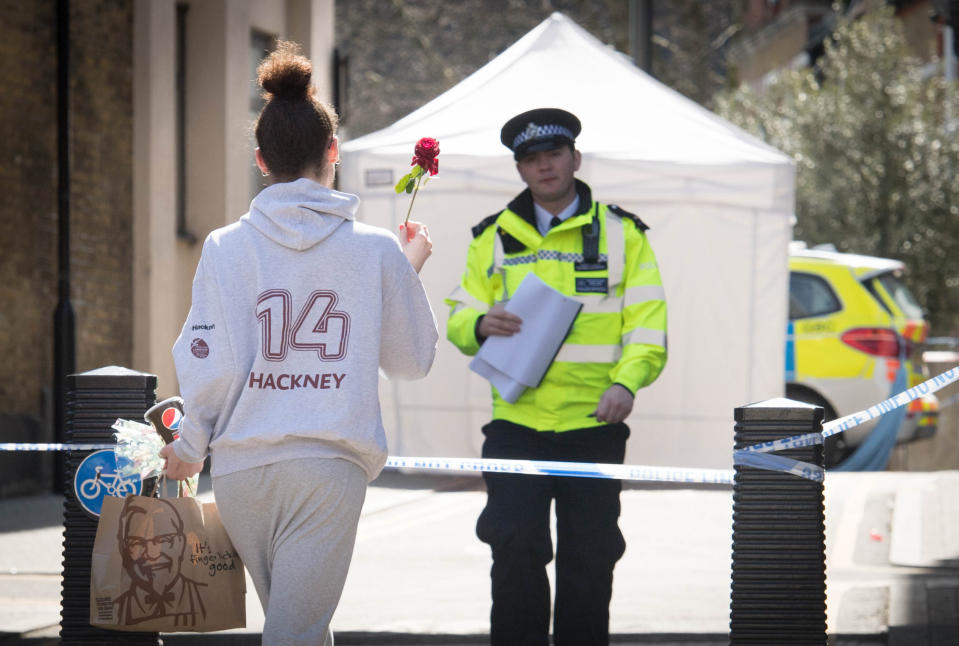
x=184, y=452
x=479, y=339
x=633, y=378
x=626, y=388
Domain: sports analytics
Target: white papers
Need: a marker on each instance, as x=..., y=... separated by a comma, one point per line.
x=514, y=363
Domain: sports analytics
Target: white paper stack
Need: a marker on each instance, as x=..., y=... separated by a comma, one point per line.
x=514, y=363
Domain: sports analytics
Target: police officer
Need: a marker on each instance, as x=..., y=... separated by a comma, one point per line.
x=599, y=255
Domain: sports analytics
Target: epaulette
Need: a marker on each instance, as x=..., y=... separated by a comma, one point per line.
x=485, y=224
x=642, y=226
x=510, y=244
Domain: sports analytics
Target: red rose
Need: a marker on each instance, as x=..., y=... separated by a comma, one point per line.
x=425, y=153
x=425, y=166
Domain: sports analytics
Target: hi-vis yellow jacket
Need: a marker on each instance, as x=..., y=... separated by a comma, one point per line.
x=601, y=257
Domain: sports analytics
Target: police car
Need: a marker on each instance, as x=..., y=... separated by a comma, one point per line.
x=851, y=320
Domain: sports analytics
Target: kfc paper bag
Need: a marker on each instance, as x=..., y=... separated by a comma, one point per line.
x=164, y=565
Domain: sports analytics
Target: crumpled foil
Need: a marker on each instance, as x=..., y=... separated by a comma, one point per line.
x=139, y=445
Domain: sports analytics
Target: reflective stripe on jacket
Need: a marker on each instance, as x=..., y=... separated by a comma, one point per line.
x=619, y=335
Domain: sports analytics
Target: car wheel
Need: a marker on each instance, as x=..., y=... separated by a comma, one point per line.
x=835, y=447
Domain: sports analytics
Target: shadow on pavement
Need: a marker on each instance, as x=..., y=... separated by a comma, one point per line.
x=31, y=512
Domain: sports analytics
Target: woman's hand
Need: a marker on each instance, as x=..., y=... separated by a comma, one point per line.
x=416, y=243
x=175, y=468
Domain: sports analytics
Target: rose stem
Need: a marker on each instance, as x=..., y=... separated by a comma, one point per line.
x=416, y=189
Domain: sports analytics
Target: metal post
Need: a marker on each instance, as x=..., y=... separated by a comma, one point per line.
x=94, y=401
x=779, y=538
x=64, y=326
x=641, y=34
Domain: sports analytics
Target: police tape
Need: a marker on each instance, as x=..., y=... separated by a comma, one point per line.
x=521, y=467
x=847, y=422
x=22, y=446
x=632, y=472
x=569, y=469
x=756, y=456
x=780, y=463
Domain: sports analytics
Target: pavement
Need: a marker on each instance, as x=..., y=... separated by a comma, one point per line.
x=419, y=575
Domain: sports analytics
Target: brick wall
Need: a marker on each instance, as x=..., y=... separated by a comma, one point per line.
x=28, y=209
x=101, y=195
x=101, y=102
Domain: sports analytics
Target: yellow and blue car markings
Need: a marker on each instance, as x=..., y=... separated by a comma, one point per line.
x=816, y=356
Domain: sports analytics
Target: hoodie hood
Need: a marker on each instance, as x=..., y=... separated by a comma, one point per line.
x=300, y=214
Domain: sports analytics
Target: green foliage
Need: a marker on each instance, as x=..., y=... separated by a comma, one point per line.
x=877, y=171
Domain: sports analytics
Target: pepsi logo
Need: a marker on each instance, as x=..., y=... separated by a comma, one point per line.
x=199, y=348
x=171, y=418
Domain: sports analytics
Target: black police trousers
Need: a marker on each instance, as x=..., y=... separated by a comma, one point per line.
x=516, y=525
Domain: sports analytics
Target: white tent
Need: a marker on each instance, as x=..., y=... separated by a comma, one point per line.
x=718, y=201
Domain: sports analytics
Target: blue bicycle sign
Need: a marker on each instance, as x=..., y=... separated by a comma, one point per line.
x=97, y=477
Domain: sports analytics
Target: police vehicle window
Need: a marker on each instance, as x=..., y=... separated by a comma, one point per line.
x=870, y=286
x=810, y=296
x=901, y=295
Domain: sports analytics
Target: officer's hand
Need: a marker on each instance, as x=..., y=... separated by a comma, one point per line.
x=615, y=405
x=498, y=322
x=175, y=468
x=416, y=243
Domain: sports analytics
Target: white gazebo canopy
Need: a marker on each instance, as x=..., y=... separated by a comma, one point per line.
x=719, y=203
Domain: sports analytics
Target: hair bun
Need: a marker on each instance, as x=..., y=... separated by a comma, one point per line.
x=285, y=73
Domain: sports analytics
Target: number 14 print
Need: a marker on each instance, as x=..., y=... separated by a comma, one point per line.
x=319, y=327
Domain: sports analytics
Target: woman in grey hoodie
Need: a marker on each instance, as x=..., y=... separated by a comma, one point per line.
x=296, y=308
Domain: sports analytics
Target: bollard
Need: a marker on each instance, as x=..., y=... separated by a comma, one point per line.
x=779, y=539
x=94, y=401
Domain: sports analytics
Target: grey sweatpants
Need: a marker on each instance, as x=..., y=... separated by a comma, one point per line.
x=294, y=525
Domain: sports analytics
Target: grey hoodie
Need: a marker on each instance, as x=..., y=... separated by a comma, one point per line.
x=295, y=309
